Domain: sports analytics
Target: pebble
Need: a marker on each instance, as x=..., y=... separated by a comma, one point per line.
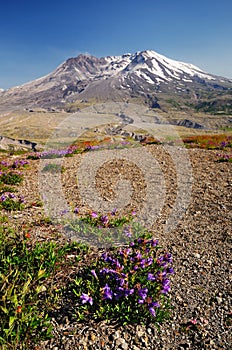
x=219, y=300
x=122, y=343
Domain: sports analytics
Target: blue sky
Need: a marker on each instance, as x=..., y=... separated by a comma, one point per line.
x=35, y=37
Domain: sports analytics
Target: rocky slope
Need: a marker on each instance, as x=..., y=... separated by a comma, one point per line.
x=201, y=248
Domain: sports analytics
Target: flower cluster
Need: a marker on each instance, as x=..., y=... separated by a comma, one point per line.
x=80, y=148
x=18, y=163
x=225, y=144
x=55, y=153
x=224, y=157
x=9, y=201
x=129, y=284
x=221, y=141
x=108, y=220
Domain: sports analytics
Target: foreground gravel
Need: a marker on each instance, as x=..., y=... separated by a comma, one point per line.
x=201, y=248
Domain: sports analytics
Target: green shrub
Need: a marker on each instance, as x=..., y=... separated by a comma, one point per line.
x=53, y=168
x=11, y=178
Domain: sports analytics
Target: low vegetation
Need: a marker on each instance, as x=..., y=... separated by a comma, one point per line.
x=27, y=287
x=219, y=141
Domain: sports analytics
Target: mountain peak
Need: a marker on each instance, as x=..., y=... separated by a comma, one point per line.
x=145, y=75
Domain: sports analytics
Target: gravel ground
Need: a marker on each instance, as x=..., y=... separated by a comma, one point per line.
x=200, y=244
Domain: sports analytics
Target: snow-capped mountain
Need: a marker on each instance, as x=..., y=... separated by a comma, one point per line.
x=144, y=75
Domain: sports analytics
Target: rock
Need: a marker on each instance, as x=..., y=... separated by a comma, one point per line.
x=122, y=343
x=135, y=347
x=189, y=124
x=219, y=300
x=9, y=144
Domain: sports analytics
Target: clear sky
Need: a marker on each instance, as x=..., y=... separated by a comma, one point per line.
x=37, y=36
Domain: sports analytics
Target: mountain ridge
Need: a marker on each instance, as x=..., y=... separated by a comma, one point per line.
x=147, y=76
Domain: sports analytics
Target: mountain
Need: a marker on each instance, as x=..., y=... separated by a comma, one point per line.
x=144, y=76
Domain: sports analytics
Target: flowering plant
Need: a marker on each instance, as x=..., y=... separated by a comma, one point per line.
x=11, y=178
x=18, y=163
x=106, y=229
x=9, y=201
x=129, y=284
x=224, y=157
x=109, y=220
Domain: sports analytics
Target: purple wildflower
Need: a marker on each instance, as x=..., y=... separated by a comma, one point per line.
x=168, y=257
x=128, y=292
x=223, y=144
x=153, y=242
x=119, y=293
x=152, y=311
x=104, y=219
x=4, y=163
x=104, y=271
x=109, y=259
x=94, y=273
x=85, y=298
x=161, y=261
x=166, y=286
x=22, y=200
x=118, y=265
x=114, y=211
x=3, y=198
x=94, y=215
x=138, y=256
x=121, y=282
x=105, y=256
x=76, y=210
x=63, y=212
x=143, y=293
x=164, y=273
x=155, y=304
x=107, y=292
x=141, y=301
x=149, y=261
x=160, y=276
x=151, y=277
x=125, y=252
x=170, y=270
